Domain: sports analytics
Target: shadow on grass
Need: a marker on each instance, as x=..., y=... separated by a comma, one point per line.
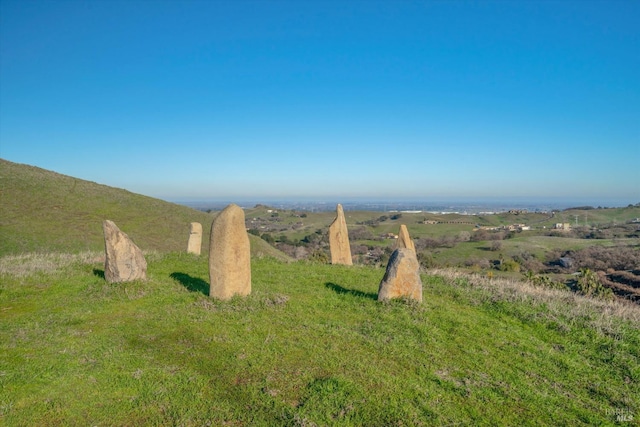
x=341, y=290
x=98, y=272
x=192, y=284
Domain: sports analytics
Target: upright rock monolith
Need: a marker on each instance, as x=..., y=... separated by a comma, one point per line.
x=402, y=278
x=124, y=261
x=194, y=246
x=404, y=241
x=229, y=255
x=339, y=239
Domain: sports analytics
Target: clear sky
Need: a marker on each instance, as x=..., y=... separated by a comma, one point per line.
x=318, y=99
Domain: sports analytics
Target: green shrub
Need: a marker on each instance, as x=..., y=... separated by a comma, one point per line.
x=319, y=256
x=425, y=259
x=510, y=265
x=589, y=284
x=543, y=281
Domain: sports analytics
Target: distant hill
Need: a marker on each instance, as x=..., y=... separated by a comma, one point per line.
x=43, y=211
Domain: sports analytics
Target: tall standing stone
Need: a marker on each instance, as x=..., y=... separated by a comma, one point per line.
x=229, y=255
x=124, y=261
x=195, y=238
x=404, y=241
x=402, y=278
x=339, y=239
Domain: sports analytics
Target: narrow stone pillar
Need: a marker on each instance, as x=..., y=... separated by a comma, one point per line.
x=194, y=246
x=404, y=241
x=339, y=239
x=229, y=255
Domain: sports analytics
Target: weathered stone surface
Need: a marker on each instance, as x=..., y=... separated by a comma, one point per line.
x=124, y=261
x=404, y=241
x=402, y=278
x=194, y=246
x=229, y=255
x=339, y=239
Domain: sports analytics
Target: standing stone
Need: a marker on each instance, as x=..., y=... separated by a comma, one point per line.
x=402, y=278
x=339, y=239
x=195, y=238
x=229, y=255
x=124, y=261
x=404, y=241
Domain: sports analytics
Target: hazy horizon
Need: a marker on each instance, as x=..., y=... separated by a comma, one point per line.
x=439, y=204
x=370, y=99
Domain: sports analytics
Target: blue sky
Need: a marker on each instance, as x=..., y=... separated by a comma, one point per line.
x=327, y=99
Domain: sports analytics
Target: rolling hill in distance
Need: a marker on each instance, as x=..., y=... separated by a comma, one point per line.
x=44, y=211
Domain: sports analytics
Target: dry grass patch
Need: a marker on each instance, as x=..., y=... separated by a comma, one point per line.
x=558, y=301
x=25, y=265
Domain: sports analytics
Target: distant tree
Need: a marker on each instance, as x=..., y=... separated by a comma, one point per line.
x=448, y=241
x=319, y=256
x=496, y=245
x=529, y=262
x=603, y=258
x=311, y=238
x=464, y=236
x=284, y=239
x=425, y=259
x=387, y=254
x=580, y=208
x=480, y=236
x=360, y=233
x=589, y=284
x=287, y=249
x=482, y=263
x=510, y=265
x=429, y=242
x=268, y=238
x=300, y=252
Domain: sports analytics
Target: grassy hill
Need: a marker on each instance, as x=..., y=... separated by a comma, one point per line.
x=310, y=346
x=43, y=211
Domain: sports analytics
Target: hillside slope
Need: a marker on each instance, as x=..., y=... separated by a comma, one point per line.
x=43, y=211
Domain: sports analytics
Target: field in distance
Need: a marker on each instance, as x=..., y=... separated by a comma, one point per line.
x=554, y=245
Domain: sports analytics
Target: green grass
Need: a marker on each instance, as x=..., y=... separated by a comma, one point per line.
x=599, y=216
x=309, y=346
x=538, y=246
